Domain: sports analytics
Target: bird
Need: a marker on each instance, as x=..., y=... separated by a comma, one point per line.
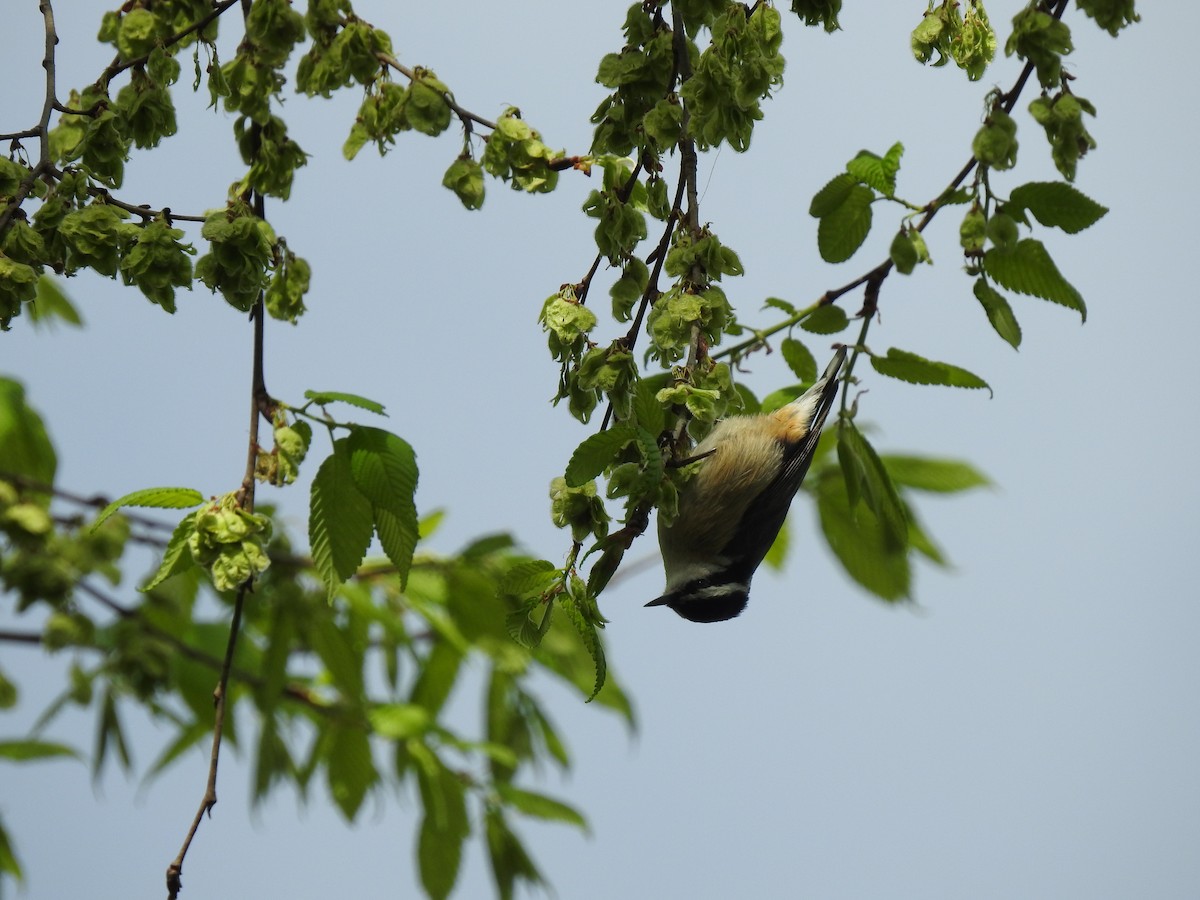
x=731, y=510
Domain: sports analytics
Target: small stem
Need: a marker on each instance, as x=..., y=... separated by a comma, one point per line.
x=175, y=870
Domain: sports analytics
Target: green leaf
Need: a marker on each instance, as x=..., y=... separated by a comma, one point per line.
x=23, y=751
x=590, y=636
x=842, y=230
x=998, y=311
x=831, y=196
x=156, y=498
x=780, y=397
x=1027, y=268
x=384, y=468
x=108, y=729
x=510, y=862
x=396, y=721
x=877, y=172
x=860, y=542
x=324, y=397
x=340, y=519
x=443, y=827
x=596, y=453
x=9, y=864
x=442, y=664
x=862, y=468
x=52, y=304
x=541, y=807
x=943, y=476
x=1057, y=204
x=177, y=557
x=825, y=320
x=921, y=542
x=25, y=448
x=799, y=359
x=648, y=413
x=908, y=248
x=529, y=577
x=349, y=768
x=917, y=370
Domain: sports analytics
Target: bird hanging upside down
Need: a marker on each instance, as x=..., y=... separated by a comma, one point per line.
x=733, y=507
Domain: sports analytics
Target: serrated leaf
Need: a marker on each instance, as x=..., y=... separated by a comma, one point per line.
x=915, y=369
x=1026, y=267
x=340, y=519
x=799, y=359
x=943, y=476
x=156, y=498
x=591, y=642
x=859, y=542
x=521, y=627
x=842, y=231
x=177, y=557
x=540, y=806
x=783, y=305
x=1058, y=205
x=999, y=313
x=956, y=197
x=595, y=453
x=878, y=172
x=529, y=576
x=23, y=751
x=831, y=196
x=384, y=468
x=828, y=319
x=323, y=397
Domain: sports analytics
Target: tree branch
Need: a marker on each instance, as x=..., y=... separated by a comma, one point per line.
x=42, y=130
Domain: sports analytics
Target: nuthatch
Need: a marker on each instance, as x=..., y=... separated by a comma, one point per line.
x=732, y=509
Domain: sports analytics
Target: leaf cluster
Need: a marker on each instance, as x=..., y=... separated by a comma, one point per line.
x=349, y=683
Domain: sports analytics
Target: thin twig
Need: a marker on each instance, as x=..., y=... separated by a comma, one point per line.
x=175, y=870
x=261, y=405
x=689, y=164
x=20, y=637
x=42, y=129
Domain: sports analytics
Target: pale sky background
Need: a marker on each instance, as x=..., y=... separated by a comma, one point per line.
x=1029, y=730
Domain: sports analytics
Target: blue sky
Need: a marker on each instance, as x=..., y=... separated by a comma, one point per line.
x=1028, y=729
